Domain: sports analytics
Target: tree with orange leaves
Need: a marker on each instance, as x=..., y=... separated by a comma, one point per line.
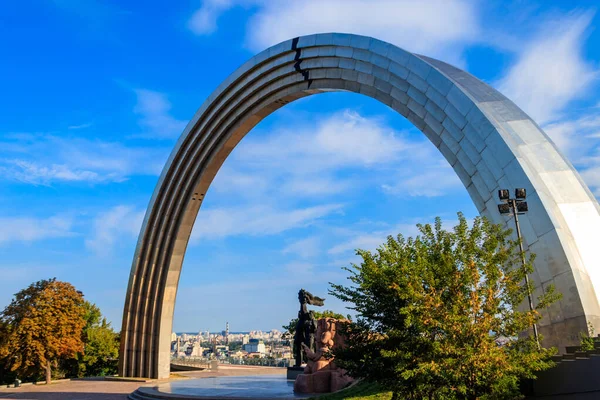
x=41, y=325
x=439, y=316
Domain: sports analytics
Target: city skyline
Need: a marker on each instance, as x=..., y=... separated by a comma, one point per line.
x=310, y=184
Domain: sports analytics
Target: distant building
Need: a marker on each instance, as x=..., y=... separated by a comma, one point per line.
x=255, y=346
x=173, y=337
x=197, y=351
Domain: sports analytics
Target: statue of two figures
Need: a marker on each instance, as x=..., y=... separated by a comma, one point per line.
x=313, y=342
x=306, y=327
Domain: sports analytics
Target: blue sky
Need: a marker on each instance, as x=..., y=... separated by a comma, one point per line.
x=95, y=94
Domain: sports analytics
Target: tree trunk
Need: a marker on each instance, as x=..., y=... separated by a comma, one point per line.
x=48, y=373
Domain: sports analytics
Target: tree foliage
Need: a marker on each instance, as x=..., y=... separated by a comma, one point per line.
x=439, y=317
x=42, y=325
x=587, y=340
x=101, y=347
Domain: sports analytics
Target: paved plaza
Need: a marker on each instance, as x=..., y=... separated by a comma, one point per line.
x=99, y=389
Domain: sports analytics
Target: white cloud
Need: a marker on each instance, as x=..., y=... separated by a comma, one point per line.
x=234, y=179
x=338, y=140
x=270, y=175
x=575, y=137
x=372, y=240
x=300, y=271
x=363, y=242
x=305, y=162
x=579, y=140
x=350, y=138
x=304, y=248
x=154, y=108
x=322, y=159
x=120, y=221
x=256, y=220
x=551, y=71
x=27, y=229
x=31, y=172
x=81, y=126
x=47, y=159
x=591, y=176
x=204, y=20
x=417, y=25
x=315, y=186
x=432, y=180
x=589, y=165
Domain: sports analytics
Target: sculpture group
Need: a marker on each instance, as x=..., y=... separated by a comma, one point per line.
x=314, y=343
x=306, y=327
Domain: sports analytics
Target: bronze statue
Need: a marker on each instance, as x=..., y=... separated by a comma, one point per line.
x=307, y=325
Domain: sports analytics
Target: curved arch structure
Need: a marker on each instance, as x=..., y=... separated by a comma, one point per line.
x=487, y=139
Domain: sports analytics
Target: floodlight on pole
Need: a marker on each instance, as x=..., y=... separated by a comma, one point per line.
x=517, y=206
x=504, y=208
x=522, y=207
x=503, y=194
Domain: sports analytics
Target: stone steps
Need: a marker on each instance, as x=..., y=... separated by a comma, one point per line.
x=575, y=352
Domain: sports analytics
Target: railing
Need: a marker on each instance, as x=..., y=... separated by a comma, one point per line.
x=203, y=362
x=265, y=362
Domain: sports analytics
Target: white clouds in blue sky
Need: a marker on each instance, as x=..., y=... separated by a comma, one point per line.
x=117, y=223
x=323, y=176
x=418, y=26
x=29, y=229
x=153, y=109
x=551, y=71
x=204, y=20
x=44, y=159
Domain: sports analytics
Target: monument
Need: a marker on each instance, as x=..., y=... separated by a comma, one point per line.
x=304, y=335
x=314, y=340
x=306, y=326
x=321, y=374
x=490, y=143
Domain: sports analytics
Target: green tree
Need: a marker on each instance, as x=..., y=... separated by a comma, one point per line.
x=587, y=340
x=42, y=325
x=101, y=347
x=439, y=317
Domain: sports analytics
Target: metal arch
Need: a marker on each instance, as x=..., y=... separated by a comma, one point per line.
x=486, y=138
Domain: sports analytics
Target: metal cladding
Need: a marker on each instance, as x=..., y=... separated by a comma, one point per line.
x=488, y=140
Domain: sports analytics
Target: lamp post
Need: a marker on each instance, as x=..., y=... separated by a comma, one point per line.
x=517, y=206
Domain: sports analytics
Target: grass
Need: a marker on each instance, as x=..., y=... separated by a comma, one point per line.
x=360, y=391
